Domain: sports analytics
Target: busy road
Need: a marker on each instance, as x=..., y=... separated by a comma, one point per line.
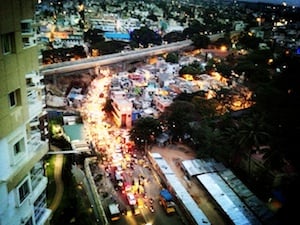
x=136, y=192
x=130, y=189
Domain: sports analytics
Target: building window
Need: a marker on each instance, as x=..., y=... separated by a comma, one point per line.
x=29, y=222
x=26, y=26
x=14, y=97
x=8, y=43
x=23, y=191
x=17, y=148
x=17, y=151
x=28, y=41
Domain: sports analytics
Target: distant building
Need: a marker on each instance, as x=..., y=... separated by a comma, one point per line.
x=258, y=32
x=122, y=109
x=239, y=25
x=23, y=122
x=106, y=24
x=117, y=36
x=162, y=102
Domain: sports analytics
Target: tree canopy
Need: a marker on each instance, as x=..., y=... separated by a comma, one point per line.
x=144, y=131
x=145, y=36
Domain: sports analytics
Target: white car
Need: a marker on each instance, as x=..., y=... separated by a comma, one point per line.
x=118, y=149
x=131, y=199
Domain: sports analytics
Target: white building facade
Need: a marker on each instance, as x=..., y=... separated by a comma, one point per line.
x=23, y=122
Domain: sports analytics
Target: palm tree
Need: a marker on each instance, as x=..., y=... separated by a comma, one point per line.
x=229, y=139
x=252, y=133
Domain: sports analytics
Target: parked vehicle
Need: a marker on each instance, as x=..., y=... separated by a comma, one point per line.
x=114, y=211
x=166, y=200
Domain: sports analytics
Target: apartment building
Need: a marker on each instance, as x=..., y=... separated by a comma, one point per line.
x=122, y=109
x=162, y=102
x=23, y=122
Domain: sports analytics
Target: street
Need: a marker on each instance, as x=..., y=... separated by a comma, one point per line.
x=141, y=180
x=124, y=176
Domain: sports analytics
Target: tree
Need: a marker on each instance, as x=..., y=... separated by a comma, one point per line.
x=200, y=41
x=229, y=131
x=174, y=36
x=144, y=131
x=223, y=41
x=195, y=27
x=206, y=108
x=145, y=36
x=152, y=17
x=252, y=133
x=93, y=36
x=246, y=67
x=193, y=68
x=208, y=137
x=249, y=41
x=280, y=99
x=177, y=119
x=172, y=57
x=109, y=47
x=224, y=69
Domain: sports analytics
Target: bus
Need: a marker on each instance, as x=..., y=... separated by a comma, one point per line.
x=114, y=211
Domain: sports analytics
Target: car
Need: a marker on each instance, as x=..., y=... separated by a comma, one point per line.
x=137, y=210
x=131, y=199
x=151, y=208
x=118, y=149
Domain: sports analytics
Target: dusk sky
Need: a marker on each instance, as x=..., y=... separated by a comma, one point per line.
x=289, y=2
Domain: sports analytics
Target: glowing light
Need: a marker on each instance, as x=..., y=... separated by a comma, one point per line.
x=270, y=61
x=223, y=48
x=258, y=20
x=210, y=94
x=188, y=77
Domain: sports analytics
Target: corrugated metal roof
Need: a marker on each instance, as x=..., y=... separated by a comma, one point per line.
x=230, y=203
x=181, y=193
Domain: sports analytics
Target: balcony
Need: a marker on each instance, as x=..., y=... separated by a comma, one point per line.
x=37, y=175
x=35, y=103
x=34, y=81
x=35, y=93
x=28, y=33
x=34, y=122
x=41, y=213
x=40, y=183
x=34, y=140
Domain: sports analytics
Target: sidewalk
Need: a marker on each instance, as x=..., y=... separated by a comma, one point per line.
x=58, y=164
x=176, y=153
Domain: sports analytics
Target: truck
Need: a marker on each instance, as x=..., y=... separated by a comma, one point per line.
x=167, y=202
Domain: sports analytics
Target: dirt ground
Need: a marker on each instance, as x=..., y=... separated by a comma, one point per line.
x=176, y=153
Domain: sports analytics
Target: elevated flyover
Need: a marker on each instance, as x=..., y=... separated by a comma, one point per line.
x=92, y=62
